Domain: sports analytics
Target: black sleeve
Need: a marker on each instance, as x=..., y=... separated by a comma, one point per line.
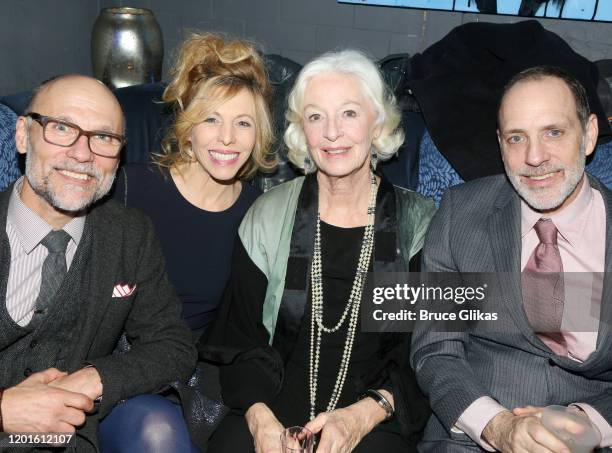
x=250, y=369
x=392, y=372
x=411, y=406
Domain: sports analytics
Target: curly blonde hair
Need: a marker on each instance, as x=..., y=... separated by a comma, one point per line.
x=357, y=64
x=209, y=71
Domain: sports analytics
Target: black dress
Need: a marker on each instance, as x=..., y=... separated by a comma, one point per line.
x=197, y=244
x=340, y=253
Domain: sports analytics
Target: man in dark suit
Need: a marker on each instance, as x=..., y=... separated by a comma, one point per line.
x=487, y=388
x=75, y=274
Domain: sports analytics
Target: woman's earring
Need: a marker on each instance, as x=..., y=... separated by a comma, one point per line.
x=374, y=159
x=189, y=152
x=307, y=163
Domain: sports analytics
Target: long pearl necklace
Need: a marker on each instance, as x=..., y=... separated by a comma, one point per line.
x=316, y=325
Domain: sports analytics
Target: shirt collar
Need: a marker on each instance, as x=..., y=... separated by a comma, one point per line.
x=570, y=222
x=30, y=228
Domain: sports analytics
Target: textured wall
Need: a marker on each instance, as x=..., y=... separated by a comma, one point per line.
x=39, y=38
x=43, y=38
x=300, y=29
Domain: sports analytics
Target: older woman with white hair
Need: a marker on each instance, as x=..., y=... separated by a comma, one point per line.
x=287, y=337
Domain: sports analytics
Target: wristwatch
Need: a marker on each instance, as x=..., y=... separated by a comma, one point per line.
x=380, y=400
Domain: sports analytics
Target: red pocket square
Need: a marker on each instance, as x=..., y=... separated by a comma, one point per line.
x=123, y=290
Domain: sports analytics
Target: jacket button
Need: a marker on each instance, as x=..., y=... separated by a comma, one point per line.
x=33, y=344
x=551, y=362
x=27, y=372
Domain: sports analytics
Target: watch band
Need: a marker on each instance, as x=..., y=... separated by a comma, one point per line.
x=380, y=400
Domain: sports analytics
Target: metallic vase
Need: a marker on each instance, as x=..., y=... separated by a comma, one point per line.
x=126, y=47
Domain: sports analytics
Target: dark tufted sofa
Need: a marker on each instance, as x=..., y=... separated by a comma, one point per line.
x=147, y=118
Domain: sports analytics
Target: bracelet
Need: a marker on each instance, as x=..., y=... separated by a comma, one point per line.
x=1, y=424
x=380, y=400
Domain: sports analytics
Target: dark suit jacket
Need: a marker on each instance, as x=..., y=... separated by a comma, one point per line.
x=477, y=229
x=125, y=250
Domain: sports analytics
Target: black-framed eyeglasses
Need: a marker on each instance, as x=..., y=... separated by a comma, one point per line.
x=64, y=133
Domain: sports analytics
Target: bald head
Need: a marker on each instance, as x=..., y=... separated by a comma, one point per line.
x=65, y=179
x=82, y=90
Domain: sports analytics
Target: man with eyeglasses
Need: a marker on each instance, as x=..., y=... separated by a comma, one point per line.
x=76, y=274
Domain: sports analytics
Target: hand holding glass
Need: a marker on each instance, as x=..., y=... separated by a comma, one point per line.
x=577, y=432
x=297, y=440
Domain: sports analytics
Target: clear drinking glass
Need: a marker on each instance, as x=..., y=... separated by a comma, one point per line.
x=297, y=439
x=575, y=431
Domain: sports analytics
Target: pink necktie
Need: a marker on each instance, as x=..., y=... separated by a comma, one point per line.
x=543, y=289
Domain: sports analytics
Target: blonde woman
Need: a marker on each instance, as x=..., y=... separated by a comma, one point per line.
x=196, y=192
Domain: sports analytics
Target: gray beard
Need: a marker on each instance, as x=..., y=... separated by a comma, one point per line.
x=573, y=178
x=41, y=186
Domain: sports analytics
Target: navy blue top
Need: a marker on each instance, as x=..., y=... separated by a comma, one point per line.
x=197, y=244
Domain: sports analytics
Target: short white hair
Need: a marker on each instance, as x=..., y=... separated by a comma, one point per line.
x=350, y=62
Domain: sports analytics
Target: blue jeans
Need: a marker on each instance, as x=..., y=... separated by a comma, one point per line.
x=145, y=424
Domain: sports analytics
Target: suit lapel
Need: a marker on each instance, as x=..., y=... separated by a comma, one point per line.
x=600, y=359
x=504, y=230
x=102, y=231
x=604, y=337
x=5, y=264
x=505, y=236
x=5, y=249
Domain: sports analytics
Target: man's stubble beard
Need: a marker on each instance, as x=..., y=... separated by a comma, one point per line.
x=552, y=198
x=42, y=186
